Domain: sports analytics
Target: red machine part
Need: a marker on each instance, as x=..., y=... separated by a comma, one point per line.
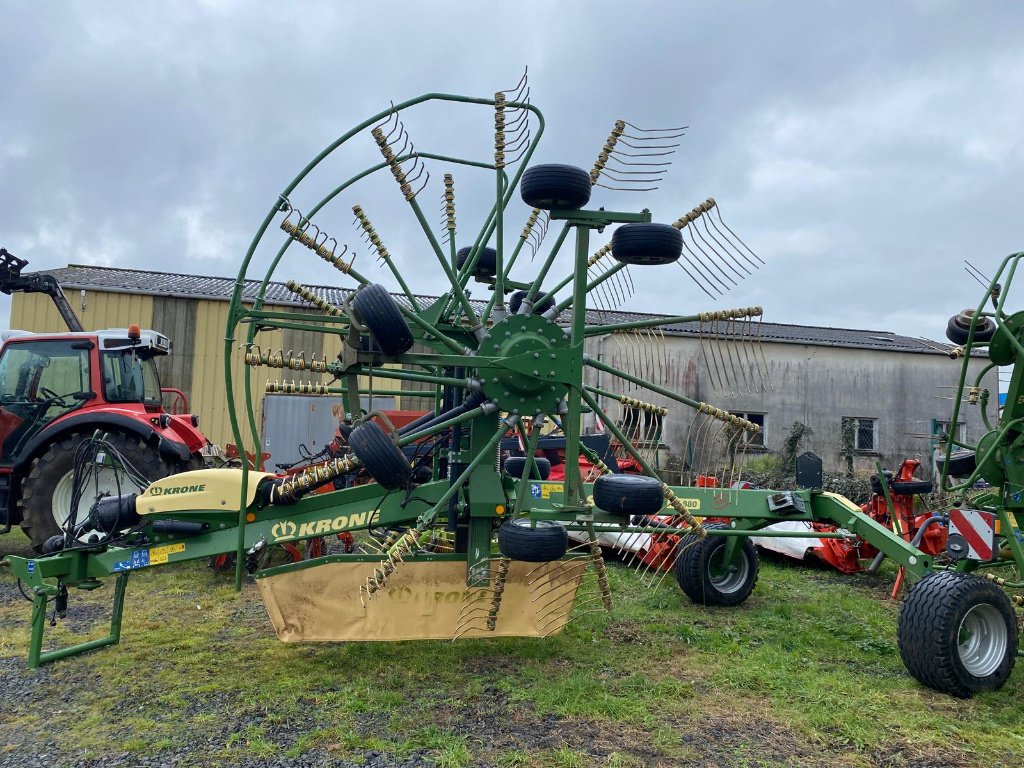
x=846, y=555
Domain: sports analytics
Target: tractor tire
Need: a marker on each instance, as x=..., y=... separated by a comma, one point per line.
x=555, y=186
x=962, y=463
x=383, y=460
x=700, y=575
x=957, y=634
x=518, y=541
x=45, y=502
x=515, y=301
x=647, y=244
x=514, y=467
x=959, y=327
x=486, y=265
x=629, y=495
x=378, y=311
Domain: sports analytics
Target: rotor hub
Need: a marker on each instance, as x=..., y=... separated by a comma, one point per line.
x=528, y=363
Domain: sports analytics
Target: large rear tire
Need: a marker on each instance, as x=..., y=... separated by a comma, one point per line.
x=958, y=634
x=45, y=502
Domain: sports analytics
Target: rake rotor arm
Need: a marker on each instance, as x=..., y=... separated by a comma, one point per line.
x=598, y=365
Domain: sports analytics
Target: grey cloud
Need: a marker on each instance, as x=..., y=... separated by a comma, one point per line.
x=862, y=149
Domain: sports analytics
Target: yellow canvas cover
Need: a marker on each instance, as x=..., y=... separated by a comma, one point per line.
x=422, y=601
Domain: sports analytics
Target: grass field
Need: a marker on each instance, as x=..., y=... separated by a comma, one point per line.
x=805, y=673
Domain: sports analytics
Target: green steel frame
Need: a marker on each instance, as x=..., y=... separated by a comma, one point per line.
x=528, y=367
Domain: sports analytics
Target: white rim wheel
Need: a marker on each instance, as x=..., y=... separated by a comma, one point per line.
x=981, y=640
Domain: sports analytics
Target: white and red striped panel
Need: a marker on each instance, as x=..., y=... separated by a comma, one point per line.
x=978, y=529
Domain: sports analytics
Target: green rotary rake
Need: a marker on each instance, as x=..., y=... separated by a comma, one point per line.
x=453, y=541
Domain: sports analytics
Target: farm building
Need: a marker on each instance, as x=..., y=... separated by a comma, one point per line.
x=866, y=395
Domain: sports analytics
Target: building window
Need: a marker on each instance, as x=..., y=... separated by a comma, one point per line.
x=864, y=433
x=941, y=430
x=746, y=439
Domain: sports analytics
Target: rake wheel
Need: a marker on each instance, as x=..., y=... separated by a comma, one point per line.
x=708, y=578
x=379, y=312
x=555, y=186
x=519, y=540
x=383, y=461
x=490, y=372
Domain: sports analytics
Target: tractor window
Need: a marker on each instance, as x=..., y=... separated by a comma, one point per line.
x=129, y=378
x=38, y=379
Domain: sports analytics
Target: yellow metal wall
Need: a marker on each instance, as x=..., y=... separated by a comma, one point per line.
x=206, y=390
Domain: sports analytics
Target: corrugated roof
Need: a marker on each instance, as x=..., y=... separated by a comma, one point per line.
x=79, y=276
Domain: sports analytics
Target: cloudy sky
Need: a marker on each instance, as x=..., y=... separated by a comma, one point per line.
x=863, y=150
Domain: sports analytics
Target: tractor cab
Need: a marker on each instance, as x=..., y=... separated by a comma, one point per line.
x=44, y=378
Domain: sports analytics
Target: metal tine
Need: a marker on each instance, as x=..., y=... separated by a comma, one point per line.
x=759, y=353
x=524, y=80
x=734, y=354
x=740, y=325
x=650, y=146
x=701, y=451
x=714, y=280
x=977, y=274
x=709, y=257
x=704, y=350
x=707, y=220
x=708, y=444
x=722, y=250
x=643, y=154
x=752, y=343
x=680, y=131
x=625, y=189
x=695, y=280
x=542, y=570
x=393, y=114
x=722, y=373
x=735, y=236
x=615, y=155
x=758, y=375
x=548, y=608
x=655, y=177
x=727, y=361
x=566, y=612
x=546, y=599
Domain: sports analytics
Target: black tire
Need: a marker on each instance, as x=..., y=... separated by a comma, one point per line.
x=519, y=541
x=486, y=265
x=901, y=487
x=647, y=244
x=910, y=487
x=47, y=487
x=629, y=495
x=515, y=301
x=383, y=460
x=699, y=573
x=959, y=327
x=514, y=466
x=378, y=311
x=957, y=634
x=961, y=463
x=555, y=186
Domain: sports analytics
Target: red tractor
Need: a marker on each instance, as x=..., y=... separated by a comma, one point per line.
x=57, y=390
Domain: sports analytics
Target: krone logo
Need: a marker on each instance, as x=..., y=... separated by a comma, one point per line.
x=283, y=530
x=161, y=491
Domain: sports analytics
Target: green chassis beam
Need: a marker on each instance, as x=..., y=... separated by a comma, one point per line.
x=350, y=510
